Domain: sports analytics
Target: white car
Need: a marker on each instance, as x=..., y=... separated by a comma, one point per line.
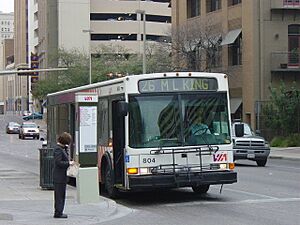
x=29, y=129
x=26, y=113
x=250, y=146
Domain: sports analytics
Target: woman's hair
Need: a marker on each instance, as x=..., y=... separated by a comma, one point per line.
x=65, y=138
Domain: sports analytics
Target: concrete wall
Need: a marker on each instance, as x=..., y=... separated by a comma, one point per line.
x=129, y=26
x=71, y=24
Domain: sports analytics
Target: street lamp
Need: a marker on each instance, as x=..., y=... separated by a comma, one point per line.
x=90, y=53
x=142, y=12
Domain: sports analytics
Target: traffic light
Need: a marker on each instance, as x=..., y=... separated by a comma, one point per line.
x=34, y=65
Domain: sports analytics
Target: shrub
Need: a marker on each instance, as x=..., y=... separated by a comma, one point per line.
x=292, y=140
x=277, y=141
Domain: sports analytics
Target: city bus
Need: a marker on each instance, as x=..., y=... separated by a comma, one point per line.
x=144, y=136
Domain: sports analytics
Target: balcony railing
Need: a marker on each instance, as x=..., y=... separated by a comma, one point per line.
x=285, y=61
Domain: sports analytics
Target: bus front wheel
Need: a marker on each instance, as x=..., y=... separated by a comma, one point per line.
x=200, y=189
x=112, y=192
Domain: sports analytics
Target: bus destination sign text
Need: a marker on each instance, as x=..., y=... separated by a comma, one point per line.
x=177, y=84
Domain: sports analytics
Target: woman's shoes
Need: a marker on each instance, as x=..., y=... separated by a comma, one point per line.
x=62, y=216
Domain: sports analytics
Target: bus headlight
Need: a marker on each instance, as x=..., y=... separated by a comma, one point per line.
x=223, y=166
x=144, y=171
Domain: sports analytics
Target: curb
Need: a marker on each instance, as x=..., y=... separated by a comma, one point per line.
x=284, y=157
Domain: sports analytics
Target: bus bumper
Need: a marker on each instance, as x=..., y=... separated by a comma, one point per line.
x=181, y=180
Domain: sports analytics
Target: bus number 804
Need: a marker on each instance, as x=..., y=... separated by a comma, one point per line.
x=148, y=160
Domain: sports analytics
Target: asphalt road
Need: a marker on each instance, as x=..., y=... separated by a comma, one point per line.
x=263, y=195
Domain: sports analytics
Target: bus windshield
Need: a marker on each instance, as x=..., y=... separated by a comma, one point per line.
x=171, y=120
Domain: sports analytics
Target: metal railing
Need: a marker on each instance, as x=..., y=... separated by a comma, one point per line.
x=285, y=60
x=184, y=168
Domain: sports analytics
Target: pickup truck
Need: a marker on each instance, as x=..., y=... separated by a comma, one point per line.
x=250, y=146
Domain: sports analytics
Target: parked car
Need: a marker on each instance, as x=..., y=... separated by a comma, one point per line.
x=250, y=146
x=12, y=128
x=29, y=129
x=26, y=113
x=34, y=115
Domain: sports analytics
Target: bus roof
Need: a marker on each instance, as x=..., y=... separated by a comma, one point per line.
x=138, y=77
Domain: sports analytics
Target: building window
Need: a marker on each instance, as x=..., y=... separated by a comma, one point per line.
x=213, y=5
x=128, y=17
x=112, y=16
x=294, y=45
x=234, y=2
x=160, y=19
x=235, y=52
x=108, y=37
x=193, y=8
x=157, y=38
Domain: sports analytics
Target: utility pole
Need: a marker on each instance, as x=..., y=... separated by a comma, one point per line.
x=90, y=54
x=143, y=12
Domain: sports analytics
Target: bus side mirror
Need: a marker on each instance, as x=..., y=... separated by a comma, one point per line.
x=239, y=130
x=123, y=108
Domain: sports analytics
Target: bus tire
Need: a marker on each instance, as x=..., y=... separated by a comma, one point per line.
x=200, y=189
x=110, y=189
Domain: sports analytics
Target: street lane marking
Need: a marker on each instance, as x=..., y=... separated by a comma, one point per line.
x=250, y=193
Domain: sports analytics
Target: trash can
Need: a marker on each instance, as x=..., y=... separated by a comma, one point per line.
x=46, y=167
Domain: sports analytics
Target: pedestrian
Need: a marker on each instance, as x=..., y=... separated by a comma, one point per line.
x=61, y=164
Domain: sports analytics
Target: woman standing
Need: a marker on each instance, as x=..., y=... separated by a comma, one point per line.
x=61, y=164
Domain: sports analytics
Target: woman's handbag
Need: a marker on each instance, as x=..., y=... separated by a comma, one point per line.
x=72, y=170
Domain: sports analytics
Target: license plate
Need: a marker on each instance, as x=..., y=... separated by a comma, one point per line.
x=250, y=156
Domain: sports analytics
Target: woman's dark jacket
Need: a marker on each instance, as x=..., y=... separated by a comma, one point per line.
x=61, y=164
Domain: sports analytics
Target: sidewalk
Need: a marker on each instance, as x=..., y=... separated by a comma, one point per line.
x=22, y=201
x=292, y=153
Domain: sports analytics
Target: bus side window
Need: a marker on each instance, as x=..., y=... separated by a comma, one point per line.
x=103, y=132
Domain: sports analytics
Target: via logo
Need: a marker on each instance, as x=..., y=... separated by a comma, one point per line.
x=221, y=157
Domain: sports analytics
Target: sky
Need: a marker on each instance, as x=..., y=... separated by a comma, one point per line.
x=7, y=6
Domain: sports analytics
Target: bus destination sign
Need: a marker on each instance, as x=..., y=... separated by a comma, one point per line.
x=178, y=84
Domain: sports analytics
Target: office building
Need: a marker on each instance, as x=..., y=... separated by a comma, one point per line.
x=259, y=46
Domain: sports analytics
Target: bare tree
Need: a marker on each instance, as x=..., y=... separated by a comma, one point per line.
x=159, y=57
x=196, y=46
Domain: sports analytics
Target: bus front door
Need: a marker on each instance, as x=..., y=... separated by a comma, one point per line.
x=118, y=125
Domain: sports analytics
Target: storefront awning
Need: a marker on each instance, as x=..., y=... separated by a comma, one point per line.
x=235, y=104
x=231, y=36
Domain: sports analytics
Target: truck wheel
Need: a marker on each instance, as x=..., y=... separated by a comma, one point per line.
x=200, y=189
x=111, y=191
x=261, y=162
